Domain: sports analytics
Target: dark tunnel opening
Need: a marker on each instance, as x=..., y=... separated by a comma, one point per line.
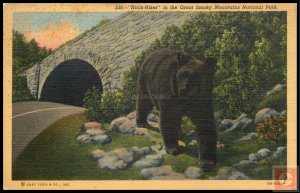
x=68, y=82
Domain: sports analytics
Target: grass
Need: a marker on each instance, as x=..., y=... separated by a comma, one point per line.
x=56, y=155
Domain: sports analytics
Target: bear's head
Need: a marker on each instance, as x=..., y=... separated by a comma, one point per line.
x=193, y=78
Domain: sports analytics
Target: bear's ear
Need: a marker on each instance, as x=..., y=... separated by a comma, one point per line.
x=210, y=64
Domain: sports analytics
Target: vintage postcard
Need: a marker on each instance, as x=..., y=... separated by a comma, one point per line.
x=150, y=96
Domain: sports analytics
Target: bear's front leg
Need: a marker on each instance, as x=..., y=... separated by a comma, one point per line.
x=170, y=120
x=207, y=144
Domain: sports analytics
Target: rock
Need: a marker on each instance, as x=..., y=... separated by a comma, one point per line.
x=149, y=161
x=156, y=148
x=279, y=87
x=245, y=164
x=141, y=132
x=122, y=158
x=193, y=172
x=264, y=161
x=132, y=115
x=94, y=132
x=159, y=149
x=249, y=137
x=279, y=153
x=246, y=122
x=253, y=157
x=111, y=162
x=229, y=173
x=261, y=154
x=241, y=117
x=240, y=123
x=238, y=176
x=153, y=118
x=225, y=124
x=235, y=126
x=122, y=125
x=283, y=113
x=140, y=151
x=101, y=139
x=161, y=173
x=97, y=154
x=92, y=125
x=276, y=89
x=265, y=113
x=84, y=138
x=264, y=153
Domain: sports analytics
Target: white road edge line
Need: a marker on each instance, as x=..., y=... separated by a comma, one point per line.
x=43, y=110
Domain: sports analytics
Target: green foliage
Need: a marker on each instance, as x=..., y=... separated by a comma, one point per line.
x=20, y=91
x=92, y=103
x=105, y=107
x=250, y=48
x=113, y=105
x=26, y=54
x=275, y=101
x=251, y=52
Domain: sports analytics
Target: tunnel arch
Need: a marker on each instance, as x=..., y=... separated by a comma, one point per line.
x=68, y=82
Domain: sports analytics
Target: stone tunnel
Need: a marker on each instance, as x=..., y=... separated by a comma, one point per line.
x=100, y=58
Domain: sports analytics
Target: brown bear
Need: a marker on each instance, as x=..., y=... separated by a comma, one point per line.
x=178, y=84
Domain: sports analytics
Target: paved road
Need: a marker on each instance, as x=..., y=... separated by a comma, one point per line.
x=31, y=118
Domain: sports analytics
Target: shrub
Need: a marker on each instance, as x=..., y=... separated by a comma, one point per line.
x=20, y=91
x=272, y=128
x=276, y=101
x=92, y=103
x=106, y=107
x=113, y=105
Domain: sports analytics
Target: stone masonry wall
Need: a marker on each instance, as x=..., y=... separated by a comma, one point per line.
x=112, y=48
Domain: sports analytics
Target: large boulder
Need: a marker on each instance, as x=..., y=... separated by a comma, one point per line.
x=279, y=153
x=122, y=158
x=161, y=173
x=149, y=161
x=265, y=113
x=95, y=132
x=141, y=132
x=277, y=88
x=131, y=115
x=240, y=123
x=225, y=124
x=229, y=173
x=96, y=154
x=193, y=173
x=84, y=138
x=122, y=125
x=101, y=139
x=260, y=155
x=92, y=125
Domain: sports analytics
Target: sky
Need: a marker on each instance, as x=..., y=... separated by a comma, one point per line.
x=51, y=30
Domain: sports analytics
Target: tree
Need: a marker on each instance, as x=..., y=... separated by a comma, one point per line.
x=25, y=55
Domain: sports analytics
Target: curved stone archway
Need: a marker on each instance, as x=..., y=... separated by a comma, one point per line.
x=68, y=82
